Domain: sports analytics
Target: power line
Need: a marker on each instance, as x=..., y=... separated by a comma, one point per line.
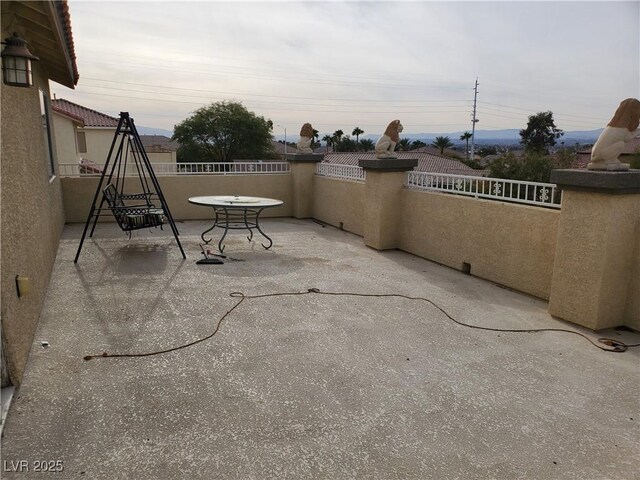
x=264, y=95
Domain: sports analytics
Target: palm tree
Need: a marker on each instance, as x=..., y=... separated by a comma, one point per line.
x=328, y=139
x=367, y=144
x=417, y=144
x=404, y=144
x=357, y=132
x=337, y=136
x=442, y=143
x=465, y=137
x=316, y=137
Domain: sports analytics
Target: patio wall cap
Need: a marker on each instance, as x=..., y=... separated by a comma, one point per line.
x=304, y=157
x=600, y=181
x=389, y=164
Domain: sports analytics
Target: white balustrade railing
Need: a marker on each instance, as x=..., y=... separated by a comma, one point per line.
x=215, y=168
x=349, y=172
x=530, y=193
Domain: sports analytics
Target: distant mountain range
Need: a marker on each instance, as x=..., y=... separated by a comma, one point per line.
x=154, y=131
x=501, y=137
x=509, y=136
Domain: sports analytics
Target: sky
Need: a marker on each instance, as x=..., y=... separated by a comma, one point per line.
x=341, y=65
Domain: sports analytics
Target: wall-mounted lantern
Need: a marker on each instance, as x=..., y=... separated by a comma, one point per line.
x=16, y=62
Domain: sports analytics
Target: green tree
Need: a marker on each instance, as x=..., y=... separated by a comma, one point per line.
x=404, y=144
x=328, y=139
x=337, y=135
x=487, y=150
x=442, y=143
x=367, y=144
x=417, y=144
x=224, y=131
x=531, y=167
x=315, y=143
x=465, y=137
x=541, y=133
x=346, y=144
x=357, y=132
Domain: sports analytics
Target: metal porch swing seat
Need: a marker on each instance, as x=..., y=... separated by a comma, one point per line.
x=132, y=211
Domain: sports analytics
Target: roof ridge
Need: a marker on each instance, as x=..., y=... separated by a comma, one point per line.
x=83, y=107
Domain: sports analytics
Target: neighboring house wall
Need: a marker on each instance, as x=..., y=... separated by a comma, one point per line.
x=98, y=141
x=160, y=157
x=32, y=216
x=66, y=141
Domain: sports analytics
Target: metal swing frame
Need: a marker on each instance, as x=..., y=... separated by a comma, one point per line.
x=130, y=216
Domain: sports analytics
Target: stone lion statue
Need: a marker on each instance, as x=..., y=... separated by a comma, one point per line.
x=621, y=129
x=306, y=137
x=386, y=144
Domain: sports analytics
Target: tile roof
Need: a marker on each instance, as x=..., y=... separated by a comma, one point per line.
x=69, y=115
x=427, y=162
x=91, y=118
x=583, y=157
x=65, y=19
x=279, y=147
x=162, y=141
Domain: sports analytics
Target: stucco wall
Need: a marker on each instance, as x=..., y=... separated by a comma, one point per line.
x=32, y=216
x=161, y=157
x=632, y=313
x=78, y=193
x=339, y=201
x=65, y=132
x=98, y=143
x=513, y=245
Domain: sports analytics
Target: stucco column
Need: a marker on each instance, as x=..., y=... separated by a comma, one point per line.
x=382, y=208
x=303, y=167
x=597, y=253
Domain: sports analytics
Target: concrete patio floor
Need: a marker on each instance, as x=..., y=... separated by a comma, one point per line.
x=310, y=386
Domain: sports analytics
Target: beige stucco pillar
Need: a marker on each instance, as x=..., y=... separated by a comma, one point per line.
x=597, y=264
x=303, y=167
x=382, y=209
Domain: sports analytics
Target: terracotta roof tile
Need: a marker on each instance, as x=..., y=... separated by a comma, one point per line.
x=427, y=162
x=583, y=157
x=91, y=118
x=72, y=116
x=161, y=141
x=65, y=19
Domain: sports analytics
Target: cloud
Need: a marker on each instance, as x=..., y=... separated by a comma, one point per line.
x=342, y=64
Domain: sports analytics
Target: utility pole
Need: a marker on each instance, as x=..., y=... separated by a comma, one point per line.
x=474, y=120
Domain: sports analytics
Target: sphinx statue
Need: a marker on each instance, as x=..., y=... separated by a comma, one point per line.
x=306, y=137
x=622, y=128
x=386, y=144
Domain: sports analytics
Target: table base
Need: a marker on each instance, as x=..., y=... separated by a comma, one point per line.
x=247, y=219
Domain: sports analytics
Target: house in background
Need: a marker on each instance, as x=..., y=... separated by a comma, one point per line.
x=427, y=162
x=66, y=125
x=32, y=212
x=282, y=149
x=631, y=149
x=85, y=135
x=160, y=148
x=93, y=137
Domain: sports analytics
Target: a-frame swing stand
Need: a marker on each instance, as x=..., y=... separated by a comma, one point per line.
x=132, y=211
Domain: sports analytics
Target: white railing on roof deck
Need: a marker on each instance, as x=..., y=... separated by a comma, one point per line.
x=349, y=172
x=530, y=193
x=215, y=168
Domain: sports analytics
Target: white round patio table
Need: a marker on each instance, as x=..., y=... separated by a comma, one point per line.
x=236, y=212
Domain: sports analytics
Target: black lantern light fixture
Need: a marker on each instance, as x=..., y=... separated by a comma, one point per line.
x=16, y=62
